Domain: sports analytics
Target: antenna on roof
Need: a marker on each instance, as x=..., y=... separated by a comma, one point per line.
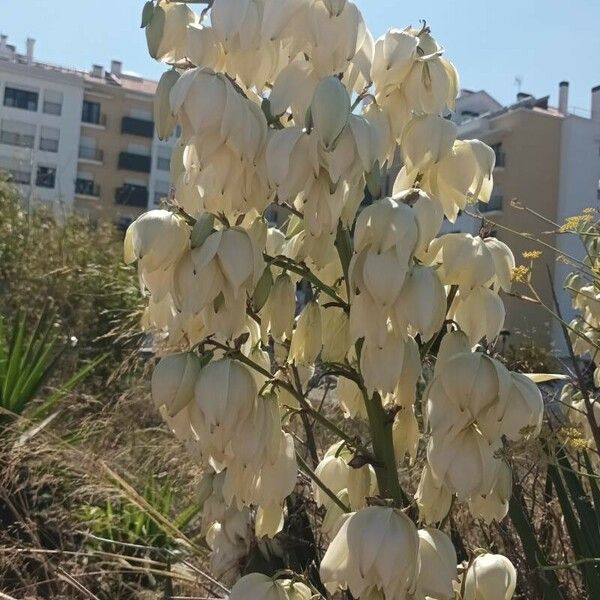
x=519, y=82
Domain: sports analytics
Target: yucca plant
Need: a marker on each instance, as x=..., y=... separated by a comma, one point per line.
x=28, y=359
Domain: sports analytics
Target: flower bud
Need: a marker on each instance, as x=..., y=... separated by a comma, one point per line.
x=395, y=54
x=307, y=338
x=490, y=577
x=376, y=548
x=173, y=381
x=438, y=564
x=330, y=109
x=164, y=118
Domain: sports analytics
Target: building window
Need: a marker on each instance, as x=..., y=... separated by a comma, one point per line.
x=132, y=195
x=17, y=98
x=46, y=177
x=90, y=113
x=500, y=154
x=49, y=139
x=163, y=158
x=53, y=102
x=17, y=133
x=139, y=127
x=132, y=161
x=87, y=187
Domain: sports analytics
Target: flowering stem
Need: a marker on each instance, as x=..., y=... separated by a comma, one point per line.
x=312, y=475
x=386, y=469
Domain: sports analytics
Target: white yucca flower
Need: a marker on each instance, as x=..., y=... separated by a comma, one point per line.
x=307, y=339
x=433, y=498
x=376, y=549
x=494, y=505
x=174, y=380
x=438, y=564
x=166, y=31
x=479, y=313
x=262, y=587
x=490, y=577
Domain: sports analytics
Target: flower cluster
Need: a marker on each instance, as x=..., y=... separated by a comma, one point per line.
x=473, y=402
x=287, y=110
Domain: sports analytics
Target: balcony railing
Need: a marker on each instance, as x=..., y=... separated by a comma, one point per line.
x=86, y=187
x=132, y=195
x=94, y=154
x=12, y=138
x=99, y=120
x=141, y=127
x=135, y=162
x=49, y=144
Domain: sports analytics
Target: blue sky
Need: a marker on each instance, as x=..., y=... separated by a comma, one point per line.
x=490, y=41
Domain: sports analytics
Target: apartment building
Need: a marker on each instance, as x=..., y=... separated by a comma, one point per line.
x=78, y=140
x=547, y=159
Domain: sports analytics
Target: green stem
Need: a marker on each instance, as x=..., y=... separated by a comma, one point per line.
x=386, y=469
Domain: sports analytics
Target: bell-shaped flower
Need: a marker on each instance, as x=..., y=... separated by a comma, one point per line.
x=238, y=259
x=262, y=587
x=428, y=213
x=381, y=366
x=202, y=47
x=225, y=396
x=479, y=313
x=164, y=118
x=166, y=31
x=504, y=263
x=490, y=577
x=394, y=57
x=376, y=549
x=438, y=564
x=156, y=239
x=405, y=393
x=293, y=89
x=174, y=380
x=432, y=84
x=426, y=140
x=464, y=260
x=421, y=304
x=464, y=175
x=330, y=109
x=524, y=409
x=336, y=334
x=494, y=505
x=351, y=399
x=307, y=339
x=433, y=498
x=405, y=433
x=277, y=316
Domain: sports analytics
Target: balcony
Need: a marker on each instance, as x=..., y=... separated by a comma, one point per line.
x=94, y=120
x=132, y=195
x=86, y=187
x=11, y=138
x=91, y=154
x=140, y=127
x=135, y=162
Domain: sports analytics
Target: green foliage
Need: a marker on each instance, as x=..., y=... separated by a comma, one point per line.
x=76, y=270
x=27, y=360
